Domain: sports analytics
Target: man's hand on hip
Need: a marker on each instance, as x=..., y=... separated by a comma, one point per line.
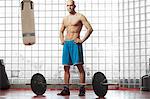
x=62, y=42
x=78, y=40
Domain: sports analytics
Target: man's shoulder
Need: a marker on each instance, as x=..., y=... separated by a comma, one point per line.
x=80, y=14
x=65, y=17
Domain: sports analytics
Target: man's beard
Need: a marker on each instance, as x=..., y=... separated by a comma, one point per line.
x=70, y=10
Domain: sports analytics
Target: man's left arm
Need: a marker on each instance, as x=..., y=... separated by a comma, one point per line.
x=88, y=27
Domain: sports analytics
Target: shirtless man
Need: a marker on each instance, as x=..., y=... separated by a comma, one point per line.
x=72, y=45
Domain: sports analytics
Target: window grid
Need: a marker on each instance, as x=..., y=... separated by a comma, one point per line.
x=134, y=41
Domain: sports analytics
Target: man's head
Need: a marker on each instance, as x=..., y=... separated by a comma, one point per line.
x=71, y=6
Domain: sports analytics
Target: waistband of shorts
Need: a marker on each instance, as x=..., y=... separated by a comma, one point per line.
x=69, y=40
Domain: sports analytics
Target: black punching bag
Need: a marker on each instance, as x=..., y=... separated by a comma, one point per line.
x=4, y=82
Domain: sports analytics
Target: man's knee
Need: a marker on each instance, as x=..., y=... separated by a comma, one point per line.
x=66, y=69
x=80, y=68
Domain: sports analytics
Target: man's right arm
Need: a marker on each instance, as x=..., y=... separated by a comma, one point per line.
x=88, y=27
x=62, y=33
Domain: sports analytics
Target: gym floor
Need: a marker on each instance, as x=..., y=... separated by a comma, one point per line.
x=52, y=94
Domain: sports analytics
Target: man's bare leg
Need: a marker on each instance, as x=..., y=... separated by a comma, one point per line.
x=66, y=74
x=82, y=80
x=66, y=91
x=82, y=73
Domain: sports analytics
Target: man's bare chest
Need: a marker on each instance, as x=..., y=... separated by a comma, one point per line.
x=72, y=21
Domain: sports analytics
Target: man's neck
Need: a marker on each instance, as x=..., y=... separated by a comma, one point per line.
x=72, y=13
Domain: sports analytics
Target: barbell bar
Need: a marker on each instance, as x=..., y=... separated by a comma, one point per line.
x=99, y=84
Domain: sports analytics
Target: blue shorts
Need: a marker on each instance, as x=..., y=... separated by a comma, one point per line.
x=72, y=53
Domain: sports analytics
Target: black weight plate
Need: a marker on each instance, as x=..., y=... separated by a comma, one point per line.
x=38, y=84
x=97, y=80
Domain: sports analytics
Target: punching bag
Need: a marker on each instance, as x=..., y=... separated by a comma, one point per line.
x=4, y=82
x=27, y=20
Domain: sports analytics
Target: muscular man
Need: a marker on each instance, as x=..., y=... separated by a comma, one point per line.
x=72, y=45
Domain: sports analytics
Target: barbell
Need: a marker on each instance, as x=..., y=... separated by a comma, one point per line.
x=99, y=84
